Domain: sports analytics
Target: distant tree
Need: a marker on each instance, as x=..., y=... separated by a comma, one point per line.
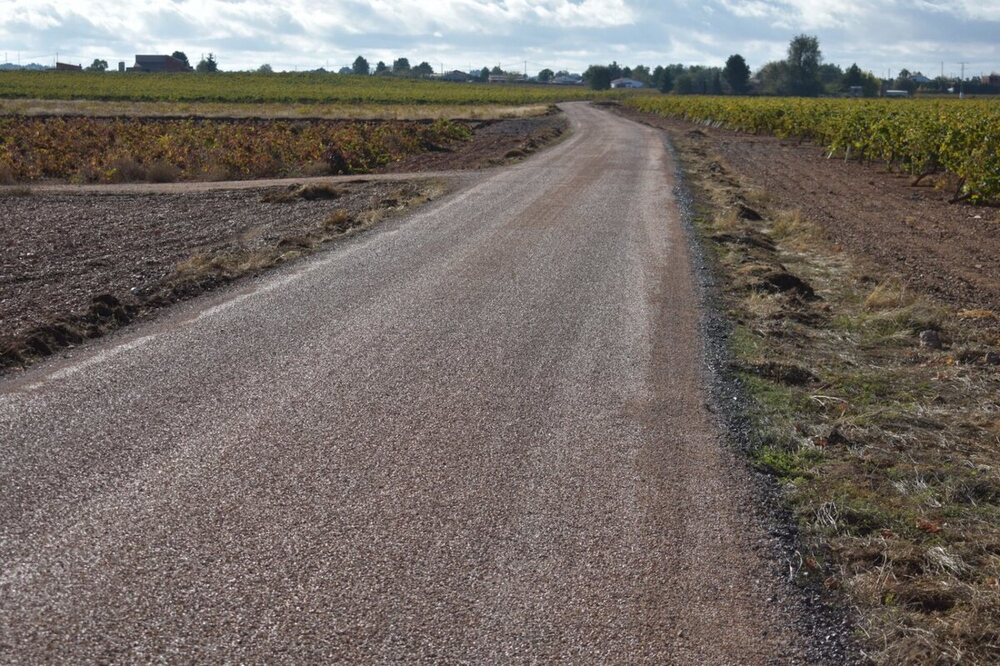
x=737, y=74
x=598, y=77
x=381, y=68
x=546, y=75
x=715, y=82
x=98, y=66
x=208, y=64
x=642, y=73
x=265, y=69
x=360, y=67
x=627, y=72
x=685, y=85
x=666, y=81
x=615, y=70
x=180, y=55
x=496, y=71
x=345, y=71
x=423, y=70
x=484, y=74
x=830, y=76
x=804, y=60
x=401, y=66
x=772, y=79
x=904, y=82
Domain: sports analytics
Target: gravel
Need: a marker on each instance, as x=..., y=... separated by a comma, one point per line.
x=478, y=434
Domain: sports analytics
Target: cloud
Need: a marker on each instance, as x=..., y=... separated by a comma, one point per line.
x=877, y=34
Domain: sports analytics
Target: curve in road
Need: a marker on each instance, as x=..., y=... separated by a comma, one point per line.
x=477, y=434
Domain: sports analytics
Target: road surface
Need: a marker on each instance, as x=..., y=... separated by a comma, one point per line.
x=477, y=434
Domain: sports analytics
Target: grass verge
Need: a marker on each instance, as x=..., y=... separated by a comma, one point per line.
x=877, y=410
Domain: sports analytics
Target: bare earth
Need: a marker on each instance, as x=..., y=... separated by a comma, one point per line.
x=944, y=249
x=478, y=434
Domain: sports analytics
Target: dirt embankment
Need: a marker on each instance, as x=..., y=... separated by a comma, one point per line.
x=947, y=250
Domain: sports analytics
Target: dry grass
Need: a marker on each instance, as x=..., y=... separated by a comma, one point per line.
x=232, y=261
x=891, y=458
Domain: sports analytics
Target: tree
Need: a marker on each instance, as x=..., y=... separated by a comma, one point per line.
x=642, y=73
x=381, y=68
x=666, y=81
x=772, y=79
x=265, y=69
x=804, y=59
x=685, y=85
x=208, y=65
x=715, y=83
x=615, y=70
x=484, y=74
x=598, y=77
x=737, y=74
x=904, y=82
x=401, y=66
x=496, y=71
x=180, y=55
x=360, y=67
x=98, y=66
x=423, y=70
x=546, y=75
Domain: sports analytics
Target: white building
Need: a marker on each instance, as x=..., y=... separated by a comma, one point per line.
x=627, y=83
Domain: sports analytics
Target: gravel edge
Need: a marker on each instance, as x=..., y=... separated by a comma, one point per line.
x=827, y=625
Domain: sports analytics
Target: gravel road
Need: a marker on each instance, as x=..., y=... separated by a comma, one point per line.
x=478, y=434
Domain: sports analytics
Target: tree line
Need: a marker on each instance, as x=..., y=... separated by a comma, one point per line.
x=802, y=73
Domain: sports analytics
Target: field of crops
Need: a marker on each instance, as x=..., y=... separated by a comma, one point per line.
x=260, y=88
x=959, y=138
x=117, y=150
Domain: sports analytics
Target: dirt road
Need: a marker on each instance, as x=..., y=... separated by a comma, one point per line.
x=478, y=435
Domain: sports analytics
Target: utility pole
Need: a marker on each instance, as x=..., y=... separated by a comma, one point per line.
x=961, y=83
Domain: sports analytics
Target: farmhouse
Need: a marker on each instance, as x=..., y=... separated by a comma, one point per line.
x=159, y=63
x=920, y=79
x=627, y=83
x=455, y=75
x=66, y=67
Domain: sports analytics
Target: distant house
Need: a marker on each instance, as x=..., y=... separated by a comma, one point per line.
x=455, y=75
x=627, y=83
x=507, y=78
x=991, y=80
x=66, y=67
x=920, y=79
x=568, y=80
x=159, y=63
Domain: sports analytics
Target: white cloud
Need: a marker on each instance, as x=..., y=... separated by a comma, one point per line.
x=554, y=33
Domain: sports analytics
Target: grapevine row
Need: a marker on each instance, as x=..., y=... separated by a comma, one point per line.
x=921, y=137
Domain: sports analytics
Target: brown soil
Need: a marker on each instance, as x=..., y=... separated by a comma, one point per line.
x=947, y=250
x=73, y=267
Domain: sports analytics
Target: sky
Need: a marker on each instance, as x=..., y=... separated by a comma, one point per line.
x=882, y=36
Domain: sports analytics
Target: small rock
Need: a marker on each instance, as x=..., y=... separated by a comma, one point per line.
x=993, y=358
x=930, y=339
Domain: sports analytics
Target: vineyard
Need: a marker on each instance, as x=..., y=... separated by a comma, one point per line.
x=117, y=150
x=958, y=139
x=285, y=88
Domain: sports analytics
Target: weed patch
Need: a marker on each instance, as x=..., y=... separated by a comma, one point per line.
x=877, y=409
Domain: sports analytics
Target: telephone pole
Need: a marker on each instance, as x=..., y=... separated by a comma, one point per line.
x=961, y=83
